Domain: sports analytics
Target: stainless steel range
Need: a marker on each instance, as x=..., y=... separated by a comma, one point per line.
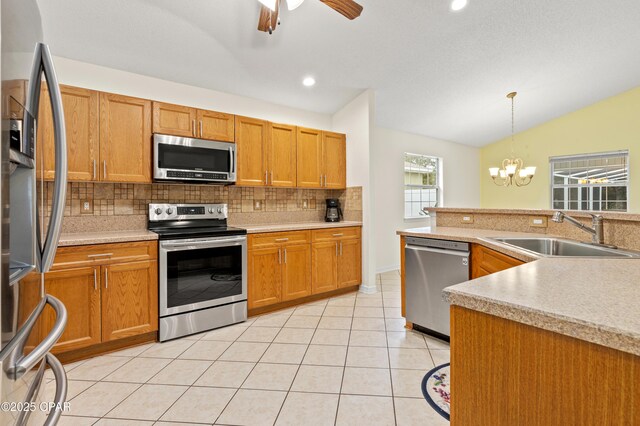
x=203, y=268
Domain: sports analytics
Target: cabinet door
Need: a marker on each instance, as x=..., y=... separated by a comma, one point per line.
x=281, y=155
x=349, y=262
x=296, y=271
x=81, y=122
x=264, y=277
x=334, y=159
x=216, y=126
x=309, y=155
x=251, y=145
x=79, y=290
x=129, y=299
x=324, y=258
x=125, y=139
x=174, y=120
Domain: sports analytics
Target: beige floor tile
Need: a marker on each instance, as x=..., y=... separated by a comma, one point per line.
x=313, y=378
x=171, y=349
x=370, y=296
x=205, y=350
x=303, y=322
x=134, y=351
x=97, y=368
x=244, y=351
x=391, y=294
x=225, y=374
x=368, y=312
x=172, y=424
x=342, y=302
x=366, y=381
x=407, y=383
x=413, y=359
x=295, y=335
x=368, y=338
x=259, y=334
x=338, y=311
x=365, y=410
x=335, y=323
x=406, y=339
x=417, y=412
x=199, y=405
x=371, y=324
x=368, y=303
x=138, y=370
x=283, y=353
x=308, y=310
x=395, y=324
x=440, y=356
x=271, y=321
x=101, y=398
x=433, y=343
x=271, y=377
x=78, y=421
x=392, y=313
x=121, y=422
x=148, y=402
x=330, y=337
x=325, y=355
x=392, y=302
x=226, y=334
x=181, y=372
x=308, y=409
x=390, y=274
x=321, y=302
x=253, y=407
x=367, y=357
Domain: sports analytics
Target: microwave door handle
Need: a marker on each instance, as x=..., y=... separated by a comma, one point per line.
x=44, y=63
x=232, y=165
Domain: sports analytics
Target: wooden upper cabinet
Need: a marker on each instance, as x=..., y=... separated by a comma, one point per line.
x=296, y=271
x=174, y=120
x=334, y=159
x=129, y=299
x=281, y=155
x=81, y=119
x=309, y=158
x=252, y=136
x=216, y=126
x=125, y=139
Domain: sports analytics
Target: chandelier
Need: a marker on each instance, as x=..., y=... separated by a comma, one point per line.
x=512, y=170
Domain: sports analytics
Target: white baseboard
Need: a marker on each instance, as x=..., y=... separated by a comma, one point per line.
x=367, y=289
x=388, y=269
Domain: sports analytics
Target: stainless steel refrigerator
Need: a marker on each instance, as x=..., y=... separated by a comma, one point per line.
x=29, y=223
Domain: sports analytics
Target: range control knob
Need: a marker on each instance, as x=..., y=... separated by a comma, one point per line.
x=211, y=210
x=158, y=210
x=219, y=209
x=169, y=210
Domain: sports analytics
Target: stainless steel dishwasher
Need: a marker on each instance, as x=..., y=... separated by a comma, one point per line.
x=430, y=266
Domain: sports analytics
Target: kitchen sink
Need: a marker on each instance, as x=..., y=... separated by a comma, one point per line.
x=557, y=247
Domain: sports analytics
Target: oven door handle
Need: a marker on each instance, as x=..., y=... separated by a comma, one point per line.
x=200, y=244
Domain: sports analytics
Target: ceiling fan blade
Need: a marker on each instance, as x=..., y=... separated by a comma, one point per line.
x=347, y=8
x=268, y=20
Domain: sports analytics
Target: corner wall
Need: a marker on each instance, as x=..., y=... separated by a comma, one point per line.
x=460, y=186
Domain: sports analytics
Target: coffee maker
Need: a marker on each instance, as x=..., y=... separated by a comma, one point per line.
x=334, y=212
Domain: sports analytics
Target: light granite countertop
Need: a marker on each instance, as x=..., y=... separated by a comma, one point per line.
x=281, y=227
x=595, y=300
x=104, y=237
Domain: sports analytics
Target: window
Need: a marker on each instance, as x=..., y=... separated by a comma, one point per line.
x=592, y=182
x=421, y=184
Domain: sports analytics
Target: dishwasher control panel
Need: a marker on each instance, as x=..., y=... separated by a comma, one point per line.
x=441, y=244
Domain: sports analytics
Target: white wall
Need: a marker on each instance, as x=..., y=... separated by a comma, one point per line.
x=460, y=185
x=356, y=120
x=96, y=77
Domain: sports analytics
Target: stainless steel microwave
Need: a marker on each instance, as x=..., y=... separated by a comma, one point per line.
x=195, y=160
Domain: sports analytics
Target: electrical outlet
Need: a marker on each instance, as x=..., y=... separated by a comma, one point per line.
x=538, y=221
x=257, y=204
x=86, y=206
x=305, y=204
x=468, y=218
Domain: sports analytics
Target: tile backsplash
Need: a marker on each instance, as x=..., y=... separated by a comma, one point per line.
x=124, y=206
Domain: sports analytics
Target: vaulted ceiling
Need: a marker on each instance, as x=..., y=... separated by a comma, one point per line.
x=435, y=72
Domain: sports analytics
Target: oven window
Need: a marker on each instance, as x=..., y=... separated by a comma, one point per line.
x=192, y=158
x=203, y=275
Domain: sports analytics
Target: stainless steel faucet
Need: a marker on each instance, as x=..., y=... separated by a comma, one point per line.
x=597, y=231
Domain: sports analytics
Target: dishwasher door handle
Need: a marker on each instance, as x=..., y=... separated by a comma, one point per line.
x=441, y=251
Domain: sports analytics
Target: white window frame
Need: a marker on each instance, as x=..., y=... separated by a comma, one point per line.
x=600, y=155
x=437, y=186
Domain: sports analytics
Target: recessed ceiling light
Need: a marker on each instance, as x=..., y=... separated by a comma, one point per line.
x=309, y=81
x=457, y=5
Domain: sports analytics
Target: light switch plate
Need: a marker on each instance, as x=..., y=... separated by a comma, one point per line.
x=538, y=221
x=257, y=204
x=86, y=207
x=467, y=218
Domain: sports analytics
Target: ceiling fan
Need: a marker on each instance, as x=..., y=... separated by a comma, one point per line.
x=269, y=18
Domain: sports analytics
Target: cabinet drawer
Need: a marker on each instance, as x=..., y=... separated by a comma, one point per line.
x=275, y=238
x=485, y=261
x=335, y=233
x=104, y=254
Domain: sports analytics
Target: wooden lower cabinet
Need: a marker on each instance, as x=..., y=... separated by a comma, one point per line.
x=350, y=262
x=325, y=266
x=265, y=277
x=296, y=272
x=129, y=299
x=485, y=261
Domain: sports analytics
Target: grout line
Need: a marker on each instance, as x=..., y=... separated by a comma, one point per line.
x=393, y=400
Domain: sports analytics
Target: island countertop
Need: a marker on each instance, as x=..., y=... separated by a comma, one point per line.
x=595, y=300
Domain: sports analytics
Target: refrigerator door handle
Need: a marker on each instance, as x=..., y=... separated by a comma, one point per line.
x=43, y=63
x=61, y=390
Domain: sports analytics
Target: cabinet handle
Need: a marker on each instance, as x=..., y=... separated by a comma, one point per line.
x=280, y=240
x=200, y=128
x=320, y=180
x=338, y=235
x=336, y=249
x=94, y=170
x=193, y=127
x=104, y=168
x=266, y=177
x=271, y=177
x=340, y=248
x=106, y=277
x=100, y=255
x=279, y=256
x=95, y=279
x=285, y=256
x=325, y=181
